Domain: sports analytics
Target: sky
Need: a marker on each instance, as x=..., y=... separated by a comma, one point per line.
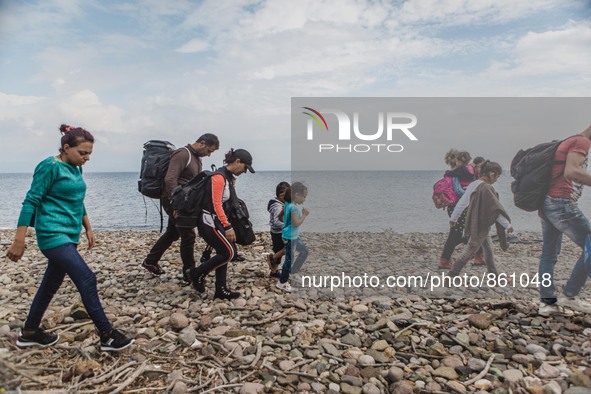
x=131, y=71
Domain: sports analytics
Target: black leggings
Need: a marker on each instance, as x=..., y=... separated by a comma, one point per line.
x=224, y=251
x=278, y=245
x=456, y=233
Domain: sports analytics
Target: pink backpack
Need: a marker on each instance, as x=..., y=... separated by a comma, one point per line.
x=443, y=193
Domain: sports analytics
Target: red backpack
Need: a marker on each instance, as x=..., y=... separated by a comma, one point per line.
x=443, y=193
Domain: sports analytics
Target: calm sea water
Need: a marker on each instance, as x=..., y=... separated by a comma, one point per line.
x=338, y=201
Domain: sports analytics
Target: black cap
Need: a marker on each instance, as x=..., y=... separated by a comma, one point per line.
x=245, y=157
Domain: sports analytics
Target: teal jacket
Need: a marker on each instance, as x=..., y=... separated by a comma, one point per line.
x=290, y=231
x=56, y=202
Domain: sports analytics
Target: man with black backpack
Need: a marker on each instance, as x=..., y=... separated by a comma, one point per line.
x=185, y=164
x=560, y=215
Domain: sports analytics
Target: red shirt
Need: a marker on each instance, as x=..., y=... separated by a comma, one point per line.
x=562, y=187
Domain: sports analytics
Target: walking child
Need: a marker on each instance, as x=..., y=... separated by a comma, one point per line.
x=293, y=217
x=462, y=175
x=275, y=208
x=484, y=210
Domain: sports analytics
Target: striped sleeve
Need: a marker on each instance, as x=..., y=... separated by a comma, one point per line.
x=218, y=182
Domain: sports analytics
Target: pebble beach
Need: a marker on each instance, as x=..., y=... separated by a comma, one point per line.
x=409, y=339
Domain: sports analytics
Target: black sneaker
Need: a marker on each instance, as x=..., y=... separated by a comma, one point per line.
x=154, y=269
x=238, y=257
x=37, y=338
x=276, y=274
x=224, y=294
x=115, y=341
x=187, y=277
x=197, y=280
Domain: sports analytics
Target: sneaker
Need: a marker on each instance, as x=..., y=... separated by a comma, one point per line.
x=547, y=310
x=444, y=264
x=154, y=269
x=575, y=303
x=187, y=277
x=276, y=274
x=238, y=257
x=115, y=341
x=284, y=286
x=478, y=260
x=37, y=338
x=224, y=293
x=197, y=280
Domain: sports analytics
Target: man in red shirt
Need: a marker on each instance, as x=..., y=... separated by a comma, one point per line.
x=560, y=214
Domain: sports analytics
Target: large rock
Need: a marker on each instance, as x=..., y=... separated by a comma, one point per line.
x=513, y=375
x=395, y=374
x=578, y=378
x=481, y=320
x=188, y=336
x=346, y=388
x=78, y=312
x=178, y=321
x=351, y=339
x=446, y=372
x=180, y=388
x=532, y=348
x=547, y=371
x=456, y=387
x=401, y=388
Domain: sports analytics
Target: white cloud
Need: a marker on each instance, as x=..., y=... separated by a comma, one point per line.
x=22, y=111
x=195, y=45
x=85, y=108
x=555, y=51
x=465, y=12
x=10, y=102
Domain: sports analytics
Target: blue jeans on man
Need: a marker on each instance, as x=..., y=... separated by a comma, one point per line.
x=65, y=259
x=561, y=216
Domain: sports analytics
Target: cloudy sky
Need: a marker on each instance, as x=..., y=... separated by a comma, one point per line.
x=130, y=71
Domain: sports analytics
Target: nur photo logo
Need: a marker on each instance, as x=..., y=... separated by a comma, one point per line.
x=390, y=125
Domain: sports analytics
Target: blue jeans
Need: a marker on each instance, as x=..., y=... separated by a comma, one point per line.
x=561, y=216
x=291, y=246
x=65, y=259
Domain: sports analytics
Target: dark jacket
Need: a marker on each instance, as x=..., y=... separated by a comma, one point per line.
x=182, y=168
x=483, y=211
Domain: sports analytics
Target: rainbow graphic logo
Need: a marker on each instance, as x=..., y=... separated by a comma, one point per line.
x=317, y=117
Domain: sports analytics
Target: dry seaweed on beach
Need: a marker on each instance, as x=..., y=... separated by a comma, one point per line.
x=308, y=341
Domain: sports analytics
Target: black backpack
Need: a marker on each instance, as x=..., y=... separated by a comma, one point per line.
x=239, y=218
x=532, y=170
x=187, y=200
x=155, y=161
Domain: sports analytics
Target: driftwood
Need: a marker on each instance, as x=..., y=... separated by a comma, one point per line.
x=269, y=320
x=482, y=373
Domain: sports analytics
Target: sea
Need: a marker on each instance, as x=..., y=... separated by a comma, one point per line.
x=351, y=201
